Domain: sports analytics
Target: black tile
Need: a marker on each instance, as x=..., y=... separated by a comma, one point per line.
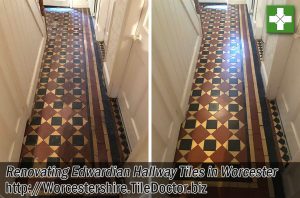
x=77, y=91
x=42, y=91
x=233, y=81
x=44, y=80
x=53, y=161
x=185, y=144
x=205, y=52
x=190, y=124
x=219, y=52
x=77, y=80
x=201, y=70
x=36, y=121
x=58, y=105
x=76, y=70
x=78, y=140
x=209, y=145
x=194, y=107
x=281, y=141
x=56, y=121
x=39, y=105
x=77, y=121
x=213, y=107
x=217, y=70
x=31, y=140
x=233, y=124
x=203, y=60
x=55, y=140
x=199, y=80
x=59, y=92
x=233, y=107
x=232, y=70
x=232, y=60
x=62, y=61
x=211, y=124
x=218, y=60
x=234, y=145
x=77, y=105
x=216, y=80
x=279, y=133
x=61, y=70
x=286, y=157
x=233, y=93
x=215, y=93
x=60, y=80
x=196, y=93
x=76, y=61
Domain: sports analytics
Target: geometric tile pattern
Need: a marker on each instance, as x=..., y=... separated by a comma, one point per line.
x=60, y=128
x=279, y=131
x=215, y=125
x=122, y=135
x=260, y=49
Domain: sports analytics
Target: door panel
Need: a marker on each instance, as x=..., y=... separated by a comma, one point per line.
x=176, y=43
x=289, y=103
x=133, y=94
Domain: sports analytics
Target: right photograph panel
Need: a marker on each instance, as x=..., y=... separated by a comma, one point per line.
x=211, y=102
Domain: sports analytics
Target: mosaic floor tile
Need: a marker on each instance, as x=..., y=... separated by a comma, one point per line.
x=282, y=143
x=66, y=125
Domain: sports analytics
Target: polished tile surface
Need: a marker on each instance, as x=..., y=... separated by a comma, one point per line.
x=215, y=125
x=68, y=122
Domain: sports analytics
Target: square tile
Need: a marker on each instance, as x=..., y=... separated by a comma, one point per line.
x=56, y=121
x=193, y=107
x=213, y=107
x=215, y=93
x=233, y=81
x=39, y=105
x=77, y=140
x=36, y=121
x=233, y=124
x=42, y=92
x=196, y=93
x=77, y=91
x=31, y=140
x=55, y=140
x=185, y=144
x=217, y=70
x=59, y=92
x=60, y=80
x=76, y=105
x=211, y=124
x=77, y=121
x=216, y=80
x=209, y=145
x=234, y=145
x=190, y=124
x=233, y=107
x=201, y=70
x=58, y=105
x=199, y=80
x=233, y=93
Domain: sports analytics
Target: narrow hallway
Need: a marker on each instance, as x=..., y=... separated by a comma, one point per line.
x=72, y=120
x=228, y=117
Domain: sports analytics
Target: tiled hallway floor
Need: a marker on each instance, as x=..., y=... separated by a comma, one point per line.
x=70, y=120
x=228, y=119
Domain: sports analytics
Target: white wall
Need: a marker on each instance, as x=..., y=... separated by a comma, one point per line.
x=22, y=41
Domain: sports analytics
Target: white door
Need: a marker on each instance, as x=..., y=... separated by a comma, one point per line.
x=110, y=12
x=58, y=3
x=176, y=43
x=133, y=94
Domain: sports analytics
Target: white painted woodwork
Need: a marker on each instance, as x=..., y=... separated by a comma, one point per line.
x=176, y=42
x=288, y=100
x=104, y=16
x=92, y=6
x=133, y=93
x=212, y=1
x=22, y=42
x=58, y=3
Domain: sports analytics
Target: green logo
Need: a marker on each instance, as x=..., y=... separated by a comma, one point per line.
x=280, y=19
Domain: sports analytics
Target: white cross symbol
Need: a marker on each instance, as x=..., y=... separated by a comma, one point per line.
x=280, y=19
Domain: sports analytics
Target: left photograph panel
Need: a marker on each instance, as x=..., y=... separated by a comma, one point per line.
x=73, y=81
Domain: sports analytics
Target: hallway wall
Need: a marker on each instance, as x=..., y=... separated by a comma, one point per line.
x=22, y=41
